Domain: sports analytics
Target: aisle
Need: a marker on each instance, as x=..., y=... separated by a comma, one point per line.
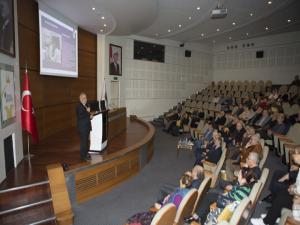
x=138, y=193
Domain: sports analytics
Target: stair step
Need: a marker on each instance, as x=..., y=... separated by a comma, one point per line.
x=35, y=214
x=21, y=196
x=48, y=221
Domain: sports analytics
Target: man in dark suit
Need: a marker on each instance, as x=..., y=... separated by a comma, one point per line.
x=114, y=66
x=6, y=27
x=83, y=125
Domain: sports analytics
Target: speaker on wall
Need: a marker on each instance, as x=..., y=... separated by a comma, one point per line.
x=259, y=54
x=188, y=53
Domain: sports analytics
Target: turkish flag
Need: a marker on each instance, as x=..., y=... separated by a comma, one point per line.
x=27, y=112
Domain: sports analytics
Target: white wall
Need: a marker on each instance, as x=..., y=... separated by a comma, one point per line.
x=150, y=88
x=16, y=126
x=280, y=64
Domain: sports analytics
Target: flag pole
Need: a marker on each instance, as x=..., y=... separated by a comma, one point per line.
x=28, y=156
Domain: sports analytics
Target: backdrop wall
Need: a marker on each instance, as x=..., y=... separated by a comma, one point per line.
x=281, y=61
x=149, y=88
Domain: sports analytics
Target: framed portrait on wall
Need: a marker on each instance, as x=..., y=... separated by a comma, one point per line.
x=7, y=28
x=115, y=60
x=7, y=84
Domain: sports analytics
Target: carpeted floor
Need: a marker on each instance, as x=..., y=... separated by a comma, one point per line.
x=139, y=193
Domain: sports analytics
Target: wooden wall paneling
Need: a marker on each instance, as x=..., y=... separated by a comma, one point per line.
x=94, y=181
x=87, y=63
x=84, y=84
x=29, y=48
x=57, y=90
x=28, y=14
x=87, y=41
x=57, y=118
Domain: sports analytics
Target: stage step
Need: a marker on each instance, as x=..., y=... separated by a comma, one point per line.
x=28, y=204
x=24, y=195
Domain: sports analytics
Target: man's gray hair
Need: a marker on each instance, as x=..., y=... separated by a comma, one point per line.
x=254, y=157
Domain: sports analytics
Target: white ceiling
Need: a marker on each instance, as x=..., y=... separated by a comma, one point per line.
x=154, y=18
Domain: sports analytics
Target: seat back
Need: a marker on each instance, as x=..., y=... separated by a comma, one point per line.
x=254, y=192
x=264, y=158
x=203, y=189
x=241, y=212
x=186, y=207
x=218, y=168
x=263, y=179
x=165, y=216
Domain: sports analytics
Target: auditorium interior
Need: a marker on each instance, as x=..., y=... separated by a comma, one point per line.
x=150, y=112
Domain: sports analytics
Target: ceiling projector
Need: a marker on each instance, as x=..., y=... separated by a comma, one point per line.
x=218, y=13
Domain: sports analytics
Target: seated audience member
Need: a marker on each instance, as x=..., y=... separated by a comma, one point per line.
x=170, y=118
x=293, y=119
x=296, y=81
x=257, y=115
x=280, y=127
x=263, y=120
x=197, y=176
x=281, y=180
x=237, y=192
x=175, y=198
x=235, y=135
x=273, y=96
x=212, y=151
x=205, y=138
x=247, y=102
x=219, y=120
x=251, y=164
x=282, y=199
x=251, y=154
x=247, y=114
x=239, y=110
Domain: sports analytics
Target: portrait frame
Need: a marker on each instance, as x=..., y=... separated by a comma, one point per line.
x=115, y=60
x=7, y=93
x=7, y=38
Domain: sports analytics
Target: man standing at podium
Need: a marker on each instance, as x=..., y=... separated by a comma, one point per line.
x=83, y=126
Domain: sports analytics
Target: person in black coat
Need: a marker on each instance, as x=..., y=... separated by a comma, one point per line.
x=83, y=125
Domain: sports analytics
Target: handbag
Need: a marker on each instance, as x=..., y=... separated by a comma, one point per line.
x=223, y=201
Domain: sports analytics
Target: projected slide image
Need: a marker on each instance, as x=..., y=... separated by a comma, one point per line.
x=58, y=47
x=51, y=47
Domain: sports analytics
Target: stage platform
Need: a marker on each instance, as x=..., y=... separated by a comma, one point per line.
x=63, y=147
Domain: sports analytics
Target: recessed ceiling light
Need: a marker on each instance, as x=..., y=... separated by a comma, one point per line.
x=229, y=38
x=179, y=25
x=102, y=17
x=104, y=25
x=93, y=8
x=218, y=29
x=190, y=17
x=169, y=30
x=266, y=28
x=289, y=20
x=251, y=14
x=101, y=30
x=247, y=34
x=269, y=2
x=202, y=35
x=198, y=8
x=233, y=23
